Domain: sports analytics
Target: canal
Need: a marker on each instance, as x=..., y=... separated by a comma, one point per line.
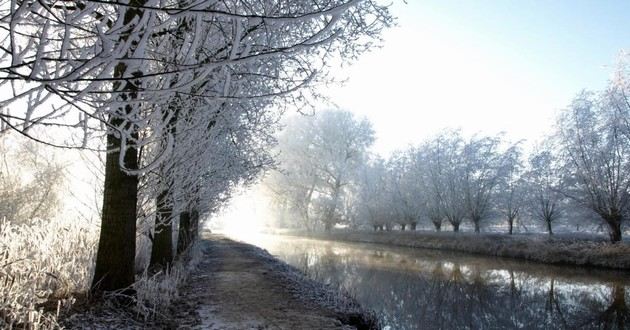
x=427, y=289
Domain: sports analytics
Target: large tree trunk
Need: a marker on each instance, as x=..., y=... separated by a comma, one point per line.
x=162, y=249
x=188, y=229
x=184, y=232
x=455, y=226
x=476, y=222
x=615, y=232
x=510, y=225
x=549, y=229
x=413, y=226
x=403, y=226
x=115, y=257
x=614, y=227
x=194, y=225
x=437, y=224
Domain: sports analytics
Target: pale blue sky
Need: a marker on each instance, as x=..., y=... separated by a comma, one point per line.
x=483, y=66
x=566, y=41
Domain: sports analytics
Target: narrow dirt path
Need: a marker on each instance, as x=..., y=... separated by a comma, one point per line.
x=237, y=287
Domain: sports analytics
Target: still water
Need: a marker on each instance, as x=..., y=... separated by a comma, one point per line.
x=426, y=289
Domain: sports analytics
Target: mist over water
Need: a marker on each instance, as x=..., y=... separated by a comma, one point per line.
x=412, y=288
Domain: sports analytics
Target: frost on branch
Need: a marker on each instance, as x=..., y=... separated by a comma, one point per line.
x=59, y=58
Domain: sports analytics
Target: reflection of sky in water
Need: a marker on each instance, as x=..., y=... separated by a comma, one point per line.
x=411, y=289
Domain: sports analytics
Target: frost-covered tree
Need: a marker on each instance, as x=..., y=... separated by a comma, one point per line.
x=340, y=146
x=486, y=165
x=319, y=157
x=460, y=178
x=618, y=94
x=446, y=174
x=99, y=70
x=430, y=154
x=511, y=197
x=406, y=189
x=231, y=148
x=596, y=157
x=295, y=184
x=544, y=186
x=374, y=202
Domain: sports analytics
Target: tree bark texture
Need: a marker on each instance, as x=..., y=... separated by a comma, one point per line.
x=162, y=249
x=115, y=257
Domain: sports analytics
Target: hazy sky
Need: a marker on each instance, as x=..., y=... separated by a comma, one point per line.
x=483, y=66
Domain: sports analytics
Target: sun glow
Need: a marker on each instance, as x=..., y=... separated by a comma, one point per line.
x=244, y=218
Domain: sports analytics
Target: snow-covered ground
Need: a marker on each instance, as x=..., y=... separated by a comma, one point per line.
x=239, y=286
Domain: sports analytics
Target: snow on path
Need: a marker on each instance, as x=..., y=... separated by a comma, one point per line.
x=235, y=287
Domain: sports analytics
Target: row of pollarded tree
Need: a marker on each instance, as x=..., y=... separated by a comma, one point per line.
x=182, y=96
x=584, y=164
x=580, y=171
x=452, y=179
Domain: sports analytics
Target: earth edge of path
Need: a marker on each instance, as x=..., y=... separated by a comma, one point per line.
x=239, y=286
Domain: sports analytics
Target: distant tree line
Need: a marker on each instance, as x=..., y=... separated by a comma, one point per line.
x=579, y=173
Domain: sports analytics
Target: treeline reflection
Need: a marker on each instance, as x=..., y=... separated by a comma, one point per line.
x=412, y=289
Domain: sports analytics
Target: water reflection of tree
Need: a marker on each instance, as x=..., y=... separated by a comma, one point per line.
x=466, y=300
x=553, y=312
x=614, y=315
x=447, y=295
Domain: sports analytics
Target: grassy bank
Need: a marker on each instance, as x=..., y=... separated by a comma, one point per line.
x=46, y=269
x=560, y=249
x=334, y=300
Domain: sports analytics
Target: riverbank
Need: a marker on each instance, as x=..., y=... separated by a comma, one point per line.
x=239, y=286
x=411, y=288
x=559, y=249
